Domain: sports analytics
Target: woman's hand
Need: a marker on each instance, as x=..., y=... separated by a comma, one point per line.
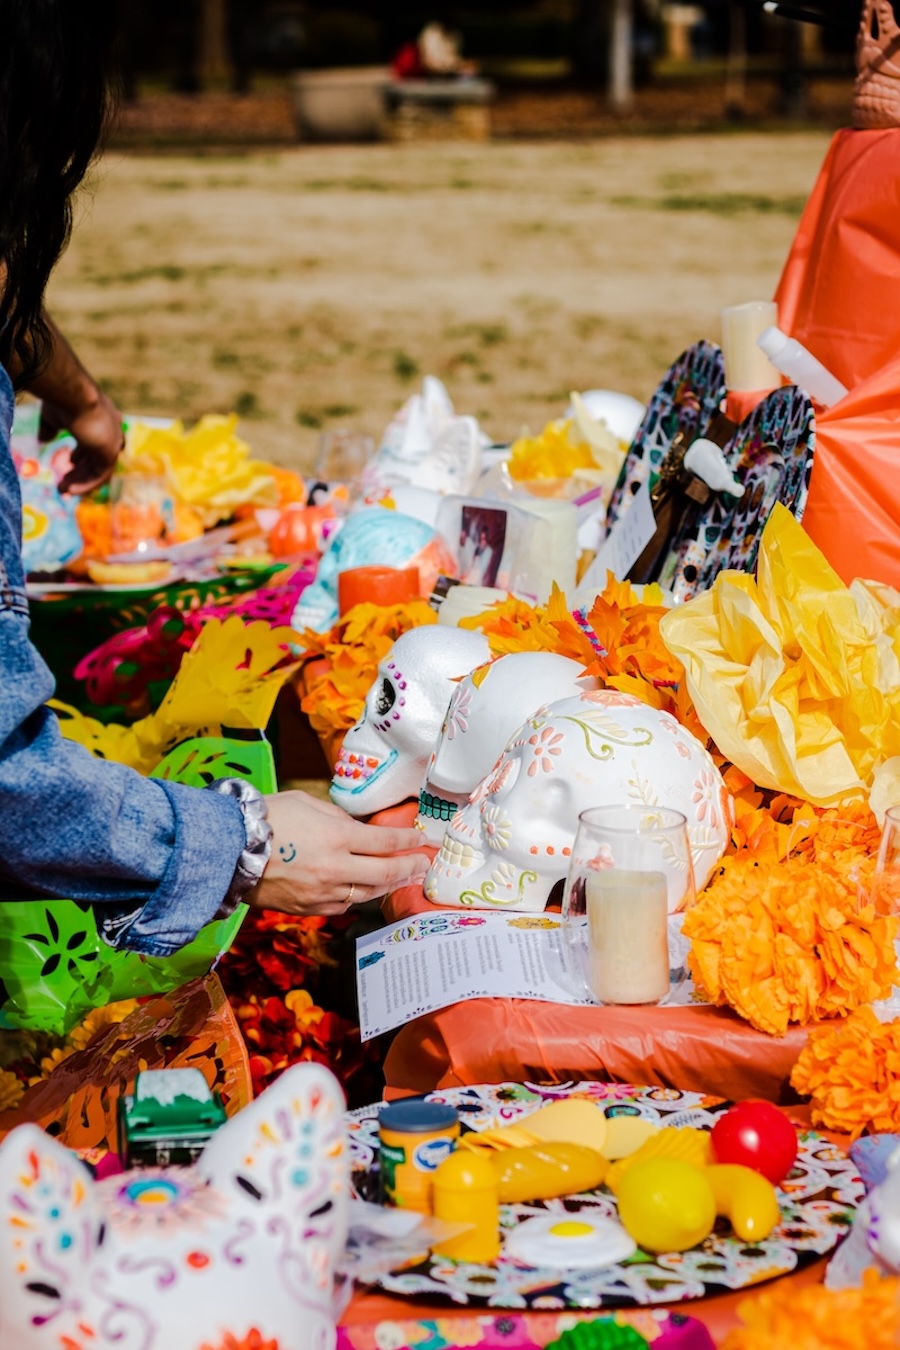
x=323, y=860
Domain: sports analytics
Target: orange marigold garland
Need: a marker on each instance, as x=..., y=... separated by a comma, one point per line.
x=851, y=1071
x=785, y=932
x=336, y=688
x=816, y=1318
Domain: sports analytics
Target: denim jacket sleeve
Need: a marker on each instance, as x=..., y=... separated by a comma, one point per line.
x=155, y=858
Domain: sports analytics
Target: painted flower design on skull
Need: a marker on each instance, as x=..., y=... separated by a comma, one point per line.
x=546, y=744
x=706, y=797
x=497, y=828
x=458, y=712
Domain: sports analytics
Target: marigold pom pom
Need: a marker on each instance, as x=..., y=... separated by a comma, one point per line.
x=816, y=1318
x=852, y=1073
x=785, y=932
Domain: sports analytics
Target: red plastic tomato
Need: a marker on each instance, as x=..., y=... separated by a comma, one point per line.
x=758, y=1135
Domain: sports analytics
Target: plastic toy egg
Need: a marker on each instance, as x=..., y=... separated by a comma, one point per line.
x=574, y=1121
x=563, y=1242
x=666, y=1205
x=544, y=1171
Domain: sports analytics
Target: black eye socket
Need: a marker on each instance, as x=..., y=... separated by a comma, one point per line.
x=385, y=700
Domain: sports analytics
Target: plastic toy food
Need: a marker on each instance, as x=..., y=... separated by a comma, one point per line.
x=746, y=1198
x=666, y=1205
x=575, y=1121
x=683, y=1145
x=465, y=1191
x=544, y=1171
x=756, y=1134
x=569, y=1242
x=626, y=1134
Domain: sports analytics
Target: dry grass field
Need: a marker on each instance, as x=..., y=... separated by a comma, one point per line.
x=310, y=287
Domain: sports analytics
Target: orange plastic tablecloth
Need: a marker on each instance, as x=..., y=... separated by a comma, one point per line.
x=839, y=295
x=494, y=1040
x=500, y=1040
x=719, y=1313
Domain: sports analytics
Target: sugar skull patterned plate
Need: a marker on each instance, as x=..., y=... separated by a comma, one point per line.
x=686, y=399
x=818, y=1200
x=772, y=454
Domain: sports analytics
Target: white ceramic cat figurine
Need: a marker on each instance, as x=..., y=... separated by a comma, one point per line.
x=238, y=1250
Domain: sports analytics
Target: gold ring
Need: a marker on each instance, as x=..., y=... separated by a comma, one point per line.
x=349, y=900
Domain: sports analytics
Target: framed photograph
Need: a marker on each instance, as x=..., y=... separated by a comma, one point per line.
x=482, y=537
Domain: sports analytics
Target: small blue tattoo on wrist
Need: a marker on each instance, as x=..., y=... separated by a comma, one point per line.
x=287, y=853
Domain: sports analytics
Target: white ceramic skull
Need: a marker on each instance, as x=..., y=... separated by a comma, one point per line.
x=486, y=708
x=510, y=845
x=383, y=758
x=874, y=1239
x=182, y=1258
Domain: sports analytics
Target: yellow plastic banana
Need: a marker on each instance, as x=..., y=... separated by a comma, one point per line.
x=746, y=1198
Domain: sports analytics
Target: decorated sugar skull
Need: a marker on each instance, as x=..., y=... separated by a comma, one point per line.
x=511, y=843
x=196, y=1258
x=372, y=535
x=486, y=708
x=383, y=757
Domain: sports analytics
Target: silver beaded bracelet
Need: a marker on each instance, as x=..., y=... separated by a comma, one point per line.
x=255, y=855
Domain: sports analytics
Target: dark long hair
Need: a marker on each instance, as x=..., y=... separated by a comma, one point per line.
x=54, y=104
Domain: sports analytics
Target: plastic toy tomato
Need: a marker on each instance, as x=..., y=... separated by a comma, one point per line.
x=756, y=1134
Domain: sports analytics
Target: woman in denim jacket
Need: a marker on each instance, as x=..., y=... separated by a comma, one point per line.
x=158, y=860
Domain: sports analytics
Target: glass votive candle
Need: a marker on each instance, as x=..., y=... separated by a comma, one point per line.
x=631, y=867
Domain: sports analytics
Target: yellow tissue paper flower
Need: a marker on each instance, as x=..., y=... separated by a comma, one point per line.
x=795, y=676
x=229, y=678
x=208, y=468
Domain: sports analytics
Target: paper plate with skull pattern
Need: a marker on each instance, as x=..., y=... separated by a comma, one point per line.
x=818, y=1200
x=685, y=400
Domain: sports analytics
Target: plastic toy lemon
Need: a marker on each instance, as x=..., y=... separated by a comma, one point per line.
x=547, y=1170
x=666, y=1205
x=575, y=1121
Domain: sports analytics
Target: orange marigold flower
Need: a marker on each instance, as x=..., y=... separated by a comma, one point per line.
x=851, y=1071
x=816, y=1318
x=786, y=931
x=336, y=690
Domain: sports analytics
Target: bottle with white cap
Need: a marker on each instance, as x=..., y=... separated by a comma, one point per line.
x=801, y=367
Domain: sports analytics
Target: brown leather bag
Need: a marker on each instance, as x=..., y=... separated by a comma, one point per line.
x=876, y=93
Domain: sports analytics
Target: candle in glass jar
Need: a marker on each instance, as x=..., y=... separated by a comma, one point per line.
x=628, y=944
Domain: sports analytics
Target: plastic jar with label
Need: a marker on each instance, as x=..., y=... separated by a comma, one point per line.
x=415, y=1138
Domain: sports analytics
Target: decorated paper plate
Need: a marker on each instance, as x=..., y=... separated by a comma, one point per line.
x=685, y=400
x=817, y=1200
x=772, y=454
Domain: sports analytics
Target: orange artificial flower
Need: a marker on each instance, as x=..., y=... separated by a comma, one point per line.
x=816, y=1318
x=336, y=692
x=95, y=523
x=786, y=931
x=851, y=1071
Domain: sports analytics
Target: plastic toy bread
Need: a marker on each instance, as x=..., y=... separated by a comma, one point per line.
x=544, y=1171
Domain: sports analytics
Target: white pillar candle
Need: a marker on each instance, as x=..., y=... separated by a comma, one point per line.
x=746, y=367
x=628, y=945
